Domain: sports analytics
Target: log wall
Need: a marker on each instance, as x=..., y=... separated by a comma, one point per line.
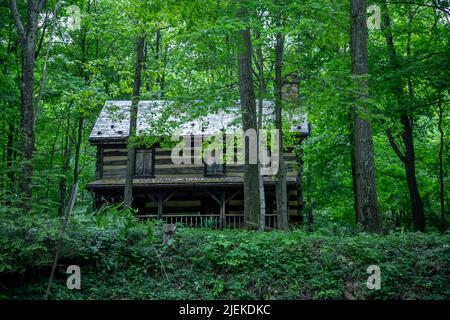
x=111, y=164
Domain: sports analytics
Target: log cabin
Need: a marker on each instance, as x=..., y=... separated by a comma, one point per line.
x=196, y=194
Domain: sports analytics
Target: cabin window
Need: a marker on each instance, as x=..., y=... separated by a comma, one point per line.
x=144, y=162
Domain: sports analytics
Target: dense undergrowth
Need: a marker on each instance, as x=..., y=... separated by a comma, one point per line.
x=121, y=258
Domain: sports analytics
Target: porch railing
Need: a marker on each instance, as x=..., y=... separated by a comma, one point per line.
x=232, y=221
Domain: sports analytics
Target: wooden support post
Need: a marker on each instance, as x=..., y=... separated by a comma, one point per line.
x=222, y=203
x=160, y=205
x=97, y=201
x=222, y=210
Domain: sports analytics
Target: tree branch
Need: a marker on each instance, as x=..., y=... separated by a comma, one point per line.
x=395, y=146
x=44, y=68
x=18, y=23
x=41, y=40
x=434, y=5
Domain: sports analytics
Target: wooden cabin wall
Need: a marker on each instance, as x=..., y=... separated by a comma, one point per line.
x=111, y=164
x=114, y=161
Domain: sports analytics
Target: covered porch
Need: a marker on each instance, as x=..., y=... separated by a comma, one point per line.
x=194, y=202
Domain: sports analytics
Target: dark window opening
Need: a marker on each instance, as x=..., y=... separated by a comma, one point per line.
x=144, y=163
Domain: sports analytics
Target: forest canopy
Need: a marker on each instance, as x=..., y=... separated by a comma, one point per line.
x=85, y=54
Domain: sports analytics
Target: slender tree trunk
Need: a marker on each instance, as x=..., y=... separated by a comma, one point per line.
x=248, y=109
x=300, y=200
x=447, y=200
x=27, y=40
x=281, y=187
x=367, y=211
x=160, y=63
x=27, y=108
x=44, y=68
x=145, y=68
x=80, y=123
x=64, y=169
x=441, y=167
x=10, y=154
x=351, y=138
x=131, y=160
x=261, y=93
x=52, y=156
x=310, y=201
x=162, y=80
x=418, y=216
x=408, y=158
x=76, y=169
x=408, y=130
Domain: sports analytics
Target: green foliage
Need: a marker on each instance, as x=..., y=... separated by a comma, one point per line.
x=191, y=60
x=210, y=264
x=29, y=242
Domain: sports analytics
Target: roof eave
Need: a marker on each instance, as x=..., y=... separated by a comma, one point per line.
x=107, y=140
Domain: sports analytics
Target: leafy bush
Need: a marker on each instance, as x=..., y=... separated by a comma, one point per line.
x=122, y=258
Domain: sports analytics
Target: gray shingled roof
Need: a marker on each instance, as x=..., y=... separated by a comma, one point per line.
x=158, y=117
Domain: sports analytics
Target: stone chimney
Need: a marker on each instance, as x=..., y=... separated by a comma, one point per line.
x=290, y=89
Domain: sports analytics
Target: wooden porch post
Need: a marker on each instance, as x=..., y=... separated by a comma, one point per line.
x=97, y=201
x=160, y=206
x=222, y=209
x=222, y=203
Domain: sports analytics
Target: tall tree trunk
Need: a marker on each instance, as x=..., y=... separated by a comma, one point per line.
x=281, y=187
x=310, y=202
x=160, y=63
x=248, y=109
x=367, y=211
x=76, y=169
x=64, y=168
x=300, y=200
x=441, y=167
x=83, y=73
x=408, y=158
x=418, y=216
x=9, y=155
x=261, y=93
x=162, y=80
x=52, y=156
x=147, y=78
x=131, y=160
x=27, y=40
x=351, y=138
x=46, y=57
